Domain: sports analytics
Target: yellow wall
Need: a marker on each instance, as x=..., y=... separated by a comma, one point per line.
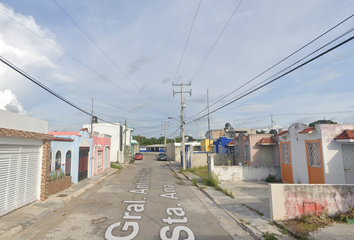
x=205, y=145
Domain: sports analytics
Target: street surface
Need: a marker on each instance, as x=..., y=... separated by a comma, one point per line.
x=147, y=200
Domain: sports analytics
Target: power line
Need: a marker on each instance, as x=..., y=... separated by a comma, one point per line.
x=293, y=64
x=279, y=77
x=88, y=96
x=346, y=19
x=100, y=49
x=340, y=36
x=23, y=73
x=307, y=44
x=184, y=49
x=78, y=61
x=217, y=39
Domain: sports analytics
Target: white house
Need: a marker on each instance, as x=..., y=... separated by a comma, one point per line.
x=120, y=138
x=320, y=154
x=24, y=160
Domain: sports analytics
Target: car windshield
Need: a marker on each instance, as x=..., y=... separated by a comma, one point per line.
x=162, y=154
x=138, y=154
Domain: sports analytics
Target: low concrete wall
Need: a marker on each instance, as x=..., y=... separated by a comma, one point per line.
x=288, y=201
x=59, y=185
x=245, y=173
x=220, y=158
x=199, y=159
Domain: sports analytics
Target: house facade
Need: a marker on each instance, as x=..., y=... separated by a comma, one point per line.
x=121, y=138
x=320, y=154
x=24, y=160
x=100, y=153
x=256, y=150
x=71, y=152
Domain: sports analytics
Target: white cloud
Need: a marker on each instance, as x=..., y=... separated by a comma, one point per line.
x=9, y=102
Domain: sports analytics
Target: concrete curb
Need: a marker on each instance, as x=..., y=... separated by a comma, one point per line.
x=11, y=233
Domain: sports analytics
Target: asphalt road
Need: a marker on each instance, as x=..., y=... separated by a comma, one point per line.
x=144, y=201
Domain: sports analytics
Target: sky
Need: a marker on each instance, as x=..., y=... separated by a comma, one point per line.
x=124, y=56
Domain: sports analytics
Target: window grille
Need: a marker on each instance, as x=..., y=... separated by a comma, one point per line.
x=285, y=153
x=314, y=154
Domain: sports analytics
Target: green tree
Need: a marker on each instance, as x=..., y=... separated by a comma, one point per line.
x=322, y=122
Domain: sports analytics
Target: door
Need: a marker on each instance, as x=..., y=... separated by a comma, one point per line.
x=68, y=163
x=19, y=176
x=348, y=162
x=267, y=155
x=286, y=163
x=315, y=162
x=106, y=158
x=83, y=163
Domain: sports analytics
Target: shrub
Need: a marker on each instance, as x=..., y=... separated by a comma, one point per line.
x=56, y=175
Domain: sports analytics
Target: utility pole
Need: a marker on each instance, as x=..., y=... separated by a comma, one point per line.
x=91, y=133
x=272, y=122
x=125, y=140
x=209, y=154
x=183, y=105
x=164, y=130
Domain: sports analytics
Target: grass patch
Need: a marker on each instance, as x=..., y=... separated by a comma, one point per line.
x=270, y=236
x=114, y=165
x=347, y=217
x=271, y=179
x=194, y=181
x=308, y=223
x=211, y=180
x=199, y=171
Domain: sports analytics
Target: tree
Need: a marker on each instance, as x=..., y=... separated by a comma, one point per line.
x=322, y=122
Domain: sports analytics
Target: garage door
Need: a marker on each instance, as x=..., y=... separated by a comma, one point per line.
x=19, y=176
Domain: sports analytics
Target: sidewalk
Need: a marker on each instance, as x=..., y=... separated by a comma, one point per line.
x=20, y=219
x=251, y=210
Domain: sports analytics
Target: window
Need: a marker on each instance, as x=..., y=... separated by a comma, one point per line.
x=99, y=159
x=58, y=160
x=285, y=153
x=314, y=154
x=247, y=152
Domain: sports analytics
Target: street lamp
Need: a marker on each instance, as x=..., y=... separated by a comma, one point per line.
x=183, y=142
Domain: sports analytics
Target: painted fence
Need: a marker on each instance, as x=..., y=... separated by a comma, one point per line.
x=288, y=201
x=245, y=173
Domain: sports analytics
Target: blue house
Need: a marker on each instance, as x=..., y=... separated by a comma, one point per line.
x=220, y=144
x=70, y=152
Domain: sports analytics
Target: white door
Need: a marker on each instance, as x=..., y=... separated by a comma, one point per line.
x=19, y=176
x=106, y=158
x=348, y=160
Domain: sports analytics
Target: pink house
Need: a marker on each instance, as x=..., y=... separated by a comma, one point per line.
x=100, y=152
x=256, y=150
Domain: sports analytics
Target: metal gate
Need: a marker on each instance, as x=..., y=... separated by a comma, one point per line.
x=19, y=176
x=348, y=161
x=83, y=163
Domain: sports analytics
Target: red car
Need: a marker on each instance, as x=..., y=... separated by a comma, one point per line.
x=138, y=156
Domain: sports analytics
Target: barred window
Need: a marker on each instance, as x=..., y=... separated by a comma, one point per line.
x=314, y=154
x=285, y=153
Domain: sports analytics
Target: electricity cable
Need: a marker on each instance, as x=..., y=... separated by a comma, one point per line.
x=100, y=49
x=277, y=78
x=78, y=61
x=290, y=55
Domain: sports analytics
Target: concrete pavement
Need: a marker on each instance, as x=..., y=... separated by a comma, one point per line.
x=250, y=209
x=14, y=222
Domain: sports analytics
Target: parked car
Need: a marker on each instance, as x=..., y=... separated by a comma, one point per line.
x=138, y=156
x=161, y=157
